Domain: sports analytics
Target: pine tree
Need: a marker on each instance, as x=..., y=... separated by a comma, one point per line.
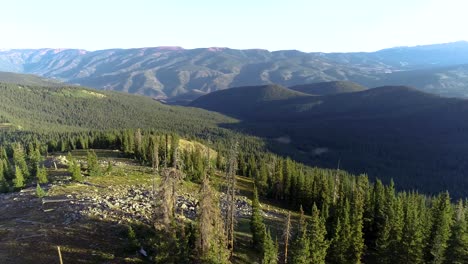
x=93, y=166
x=457, y=251
x=442, y=219
x=318, y=242
x=356, y=242
x=396, y=218
x=138, y=148
x=34, y=158
x=257, y=227
x=411, y=251
x=383, y=234
x=301, y=245
x=74, y=168
x=3, y=181
x=20, y=160
x=340, y=243
x=287, y=177
x=261, y=179
x=270, y=250
x=278, y=180
x=39, y=191
x=76, y=173
x=41, y=174
x=109, y=168
x=19, y=179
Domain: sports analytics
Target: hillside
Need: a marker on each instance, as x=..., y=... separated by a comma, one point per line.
x=326, y=88
x=71, y=109
x=241, y=101
x=389, y=132
x=27, y=79
x=166, y=72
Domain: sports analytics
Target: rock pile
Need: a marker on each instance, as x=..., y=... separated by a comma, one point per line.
x=243, y=208
x=119, y=204
x=135, y=203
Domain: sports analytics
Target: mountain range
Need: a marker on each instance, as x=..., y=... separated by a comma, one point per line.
x=174, y=73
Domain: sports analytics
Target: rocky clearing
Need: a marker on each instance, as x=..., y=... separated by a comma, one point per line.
x=89, y=221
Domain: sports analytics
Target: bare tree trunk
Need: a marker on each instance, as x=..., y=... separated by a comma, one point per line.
x=287, y=234
x=336, y=183
x=166, y=151
x=230, y=179
x=155, y=164
x=60, y=255
x=232, y=221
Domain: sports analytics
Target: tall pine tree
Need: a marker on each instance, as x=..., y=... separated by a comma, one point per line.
x=317, y=237
x=300, y=252
x=257, y=227
x=457, y=251
x=440, y=233
x=270, y=250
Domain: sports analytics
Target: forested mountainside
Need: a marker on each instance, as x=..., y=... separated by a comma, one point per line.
x=388, y=132
x=27, y=79
x=167, y=72
x=74, y=109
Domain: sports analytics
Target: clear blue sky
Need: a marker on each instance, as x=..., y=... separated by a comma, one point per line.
x=307, y=25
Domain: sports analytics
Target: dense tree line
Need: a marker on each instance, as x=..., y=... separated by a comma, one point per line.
x=355, y=221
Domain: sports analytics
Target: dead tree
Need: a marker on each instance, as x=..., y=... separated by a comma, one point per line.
x=211, y=239
x=336, y=183
x=154, y=163
x=287, y=235
x=167, y=195
x=230, y=181
x=166, y=150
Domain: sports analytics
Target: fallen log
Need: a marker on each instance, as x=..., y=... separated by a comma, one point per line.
x=45, y=201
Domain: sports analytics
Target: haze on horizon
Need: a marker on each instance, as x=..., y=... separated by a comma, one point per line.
x=306, y=25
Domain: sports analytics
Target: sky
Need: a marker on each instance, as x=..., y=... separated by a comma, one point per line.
x=306, y=25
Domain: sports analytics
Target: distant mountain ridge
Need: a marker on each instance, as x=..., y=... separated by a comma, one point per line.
x=168, y=72
x=326, y=88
